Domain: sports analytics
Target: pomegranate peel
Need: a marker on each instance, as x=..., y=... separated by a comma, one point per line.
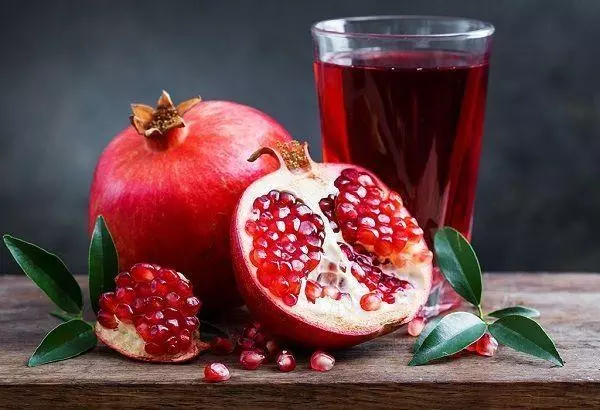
x=310, y=241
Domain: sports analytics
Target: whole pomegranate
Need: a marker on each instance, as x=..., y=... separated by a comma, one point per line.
x=167, y=187
x=325, y=254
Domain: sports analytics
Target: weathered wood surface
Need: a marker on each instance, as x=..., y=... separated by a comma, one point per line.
x=371, y=375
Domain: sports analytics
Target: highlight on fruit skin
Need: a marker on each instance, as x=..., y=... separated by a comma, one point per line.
x=326, y=255
x=151, y=316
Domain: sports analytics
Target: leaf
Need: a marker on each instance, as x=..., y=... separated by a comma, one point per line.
x=525, y=335
x=64, y=316
x=66, y=340
x=515, y=310
x=457, y=260
x=103, y=262
x=48, y=272
x=428, y=328
x=452, y=334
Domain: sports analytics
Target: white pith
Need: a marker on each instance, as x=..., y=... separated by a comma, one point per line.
x=346, y=314
x=126, y=340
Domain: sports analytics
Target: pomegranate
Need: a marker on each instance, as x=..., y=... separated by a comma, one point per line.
x=321, y=361
x=251, y=359
x=325, y=254
x=286, y=362
x=167, y=187
x=151, y=316
x=216, y=372
x=486, y=345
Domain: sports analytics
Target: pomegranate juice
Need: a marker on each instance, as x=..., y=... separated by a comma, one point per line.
x=413, y=118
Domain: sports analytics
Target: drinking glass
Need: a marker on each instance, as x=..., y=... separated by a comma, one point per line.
x=404, y=96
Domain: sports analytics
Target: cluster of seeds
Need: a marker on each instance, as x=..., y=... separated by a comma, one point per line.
x=287, y=240
x=382, y=286
x=367, y=215
x=158, y=302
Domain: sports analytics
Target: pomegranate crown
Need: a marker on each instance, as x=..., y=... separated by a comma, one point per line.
x=155, y=122
x=293, y=154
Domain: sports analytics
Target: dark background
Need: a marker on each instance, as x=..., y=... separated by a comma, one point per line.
x=69, y=70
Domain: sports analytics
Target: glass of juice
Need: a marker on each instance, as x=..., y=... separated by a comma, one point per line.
x=404, y=96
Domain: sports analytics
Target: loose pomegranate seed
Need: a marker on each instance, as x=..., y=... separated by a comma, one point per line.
x=415, y=326
x=216, y=372
x=246, y=344
x=321, y=361
x=222, y=346
x=251, y=359
x=370, y=301
x=158, y=303
x=286, y=361
x=287, y=243
x=486, y=345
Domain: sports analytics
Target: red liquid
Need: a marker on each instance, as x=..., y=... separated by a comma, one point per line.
x=415, y=119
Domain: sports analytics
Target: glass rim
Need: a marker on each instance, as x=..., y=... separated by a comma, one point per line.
x=484, y=30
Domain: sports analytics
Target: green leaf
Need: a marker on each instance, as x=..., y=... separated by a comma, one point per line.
x=515, y=310
x=458, y=262
x=428, y=328
x=525, y=335
x=48, y=272
x=66, y=340
x=64, y=316
x=103, y=262
x=450, y=335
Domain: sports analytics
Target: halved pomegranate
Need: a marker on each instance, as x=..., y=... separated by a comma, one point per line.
x=151, y=316
x=325, y=254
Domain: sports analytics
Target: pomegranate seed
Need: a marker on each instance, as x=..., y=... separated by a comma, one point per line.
x=415, y=326
x=173, y=299
x=191, y=323
x=246, y=344
x=108, y=302
x=216, y=372
x=251, y=359
x=123, y=279
x=289, y=299
x=124, y=313
x=142, y=272
x=185, y=339
x=370, y=302
x=191, y=306
x=159, y=333
x=125, y=295
x=169, y=275
x=159, y=287
x=250, y=332
x=321, y=361
x=313, y=290
x=221, y=346
x=172, y=324
x=271, y=347
x=107, y=319
x=331, y=292
x=286, y=361
x=486, y=345
x=143, y=330
x=154, y=349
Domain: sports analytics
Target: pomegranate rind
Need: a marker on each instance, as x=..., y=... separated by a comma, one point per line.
x=326, y=330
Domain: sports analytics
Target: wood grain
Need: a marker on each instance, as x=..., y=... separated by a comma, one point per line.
x=372, y=375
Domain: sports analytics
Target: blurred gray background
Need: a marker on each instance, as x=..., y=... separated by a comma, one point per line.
x=69, y=70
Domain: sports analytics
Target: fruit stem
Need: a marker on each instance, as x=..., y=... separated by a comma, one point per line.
x=480, y=312
x=293, y=154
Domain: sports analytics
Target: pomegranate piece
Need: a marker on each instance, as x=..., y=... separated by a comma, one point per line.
x=151, y=316
x=325, y=254
x=251, y=359
x=286, y=361
x=485, y=346
x=321, y=361
x=222, y=346
x=216, y=372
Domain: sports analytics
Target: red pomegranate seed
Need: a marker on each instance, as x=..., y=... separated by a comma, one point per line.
x=124, y=313
x=286, y=361
x=169, y=275
x=173, y=299
x=370, y=301
x=250, y=332
x=124, y=279
x=415, y=326
x=216, y=372
x=185, y=339
x=486, y=345
x=321, y=361
x=108, y=302
x=313, y=290
x=142, y=272
x=159, y=287
x=191, y=306
x=125, y=295
x=107, y=319
x=246, y=344
x=331, y=292
x=251, y=359
x=221, y=346
x=289, y=299
x=191, y=323
x=155, y=349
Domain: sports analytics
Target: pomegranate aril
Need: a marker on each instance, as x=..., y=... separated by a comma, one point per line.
x=169, y=275
x=184, y=289
x=245, y=343
x=271, y=346
x=191, y=306
x=285, y=361
x=172, y=345
x=370, y=302
x=251, y=359
x=125, y=295
x=159, y=287
x=124, y=313
x=321, y=361
x=143, y=289
x=154, y=303
x=108, y=302
x=216, y=372
x=173, y=299
x=173, y=325
x=159, y=333
x=107, y=319
x=289, y=299
x=191, y=323
x=154, y=349
x=142, y=272
x=185, y=339
x=143, y=329
x=221, y=346
x=331, y=292
x=123, y=279
x=416, y=326
x=313, y=290
x=486, y=345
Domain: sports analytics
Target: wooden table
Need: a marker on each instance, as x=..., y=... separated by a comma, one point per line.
x=370, y=375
